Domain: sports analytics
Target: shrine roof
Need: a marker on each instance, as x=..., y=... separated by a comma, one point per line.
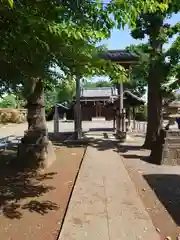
x=98, y=92
x=120, y=56
x=134, y=97
x=111, y=94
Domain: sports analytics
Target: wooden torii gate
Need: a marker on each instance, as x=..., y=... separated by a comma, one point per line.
x=126, y=59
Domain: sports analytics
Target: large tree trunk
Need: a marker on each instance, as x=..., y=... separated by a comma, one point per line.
x=156, y=75
x=154, y=111
x=35, y=149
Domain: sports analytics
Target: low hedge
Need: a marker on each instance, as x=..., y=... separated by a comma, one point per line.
x=141, y=115
x=10, y=115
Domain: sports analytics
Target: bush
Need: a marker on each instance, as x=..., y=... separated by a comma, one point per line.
x=10, y=115
x=8, y=101
x=141, y=115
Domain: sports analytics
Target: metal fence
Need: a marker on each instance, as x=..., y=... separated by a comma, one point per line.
x=11, y=139
x=138, y=127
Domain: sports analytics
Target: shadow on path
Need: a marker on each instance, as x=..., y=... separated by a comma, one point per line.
x=167, y=189
x=133, y=152
x=17, y=185
x=101, y=129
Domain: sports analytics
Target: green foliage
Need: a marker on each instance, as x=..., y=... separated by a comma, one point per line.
x=62, y=92
x=127, y=11
x=141, y=114
x=40, y=34
x=66, y=90
x=50, y=98
x=8, y=101
x=90, y=84
x=139, y=72
x=27, y=45
x=163, y=64
x=158, y=32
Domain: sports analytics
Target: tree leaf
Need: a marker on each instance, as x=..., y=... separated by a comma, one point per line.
x=11, y=3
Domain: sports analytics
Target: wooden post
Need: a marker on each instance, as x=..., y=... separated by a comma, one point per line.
x=129, y=116
x=114, y=117
x=56, y=119
x=119, y=117
x=123, y=120
x=134, y=121
x=77, y=119
x=121, y=105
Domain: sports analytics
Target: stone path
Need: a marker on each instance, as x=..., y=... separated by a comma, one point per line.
x=104, y=203
x=13, y=129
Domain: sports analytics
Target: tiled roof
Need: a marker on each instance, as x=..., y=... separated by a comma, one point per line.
x=62, y=106
x=134, y=97
x=98, y=92
x=110, y=93
x=120, y=55
x=131, y=98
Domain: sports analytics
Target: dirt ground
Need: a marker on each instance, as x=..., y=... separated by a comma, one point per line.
x=33, y=206
x=158, y=187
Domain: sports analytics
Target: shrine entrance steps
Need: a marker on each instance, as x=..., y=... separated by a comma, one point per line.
x=98, y=119
x=100, y=135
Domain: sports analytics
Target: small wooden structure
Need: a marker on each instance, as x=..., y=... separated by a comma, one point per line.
x=102, y=102
x=130, y=103
x=126, y=59
x=94, y=100
x=122, y=57
x=61, y=110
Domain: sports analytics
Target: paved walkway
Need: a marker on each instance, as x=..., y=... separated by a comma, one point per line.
x=104, y=203
x=13, y=129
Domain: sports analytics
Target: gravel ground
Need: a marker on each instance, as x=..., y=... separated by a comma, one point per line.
x=33, y=206
x=158, y=187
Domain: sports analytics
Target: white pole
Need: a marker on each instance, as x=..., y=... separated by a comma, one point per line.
x=56, y=119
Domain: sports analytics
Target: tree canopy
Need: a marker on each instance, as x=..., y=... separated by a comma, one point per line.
x=94, y=84
x=139, y=72
x=8, y=101
x=163, y=63
x=41, y=36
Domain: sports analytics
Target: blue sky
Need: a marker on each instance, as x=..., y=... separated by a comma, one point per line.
x=122, y=38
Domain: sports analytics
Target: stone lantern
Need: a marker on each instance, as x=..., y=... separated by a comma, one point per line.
x=169, y=144
x=172, y=112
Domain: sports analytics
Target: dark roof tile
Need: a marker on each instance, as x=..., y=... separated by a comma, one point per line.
x=98, y=92
x=120, y=55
